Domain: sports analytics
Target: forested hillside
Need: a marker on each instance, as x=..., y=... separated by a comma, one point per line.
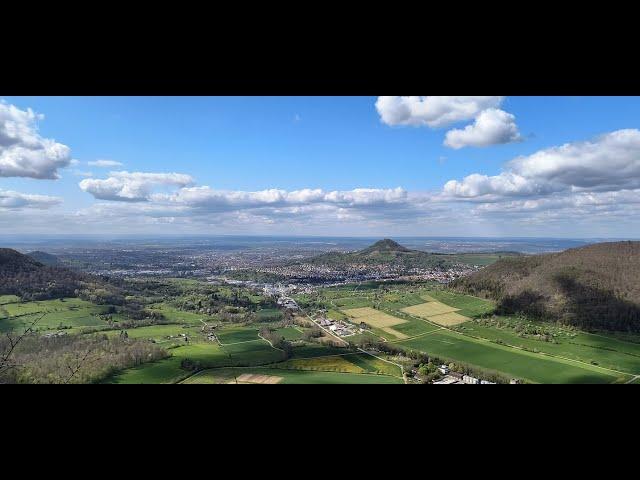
x=24, y=276
x=593, y=287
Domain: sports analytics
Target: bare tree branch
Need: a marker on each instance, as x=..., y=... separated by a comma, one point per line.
x=14, y=341
x=80, y=362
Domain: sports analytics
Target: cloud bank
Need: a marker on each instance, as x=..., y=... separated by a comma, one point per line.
x=11, y=200
x=606, y=163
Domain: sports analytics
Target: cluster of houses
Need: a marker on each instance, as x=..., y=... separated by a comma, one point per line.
x=339, y=328
x=288, y=303
x=451, y=378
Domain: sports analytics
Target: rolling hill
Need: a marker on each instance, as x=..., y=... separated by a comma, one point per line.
x=384, y=252
x=592, y=287
x=22, y=275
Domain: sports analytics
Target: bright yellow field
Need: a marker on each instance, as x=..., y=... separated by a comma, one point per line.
x=327, y=364
x=448, y=319
x=373, y=317
x=429, y=309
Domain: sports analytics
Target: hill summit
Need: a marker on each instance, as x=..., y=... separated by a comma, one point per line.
x=384, y=252
x=384, y=246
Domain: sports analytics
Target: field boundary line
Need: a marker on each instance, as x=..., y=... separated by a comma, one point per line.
x=244, y=341
x=323, y=356
x=288, y=369
x=417, y=336
x=270, y=344
x=633, y=379
x=404, y=376
x=509, y=346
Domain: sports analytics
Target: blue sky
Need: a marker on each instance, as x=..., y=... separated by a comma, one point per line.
x=237, y=146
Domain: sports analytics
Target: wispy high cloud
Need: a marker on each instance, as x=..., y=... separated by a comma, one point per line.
x=23, y=152
x=105, y=164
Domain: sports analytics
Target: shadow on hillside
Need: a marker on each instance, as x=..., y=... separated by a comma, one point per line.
x=529, y=302
x=592, y=308
x=585, y=306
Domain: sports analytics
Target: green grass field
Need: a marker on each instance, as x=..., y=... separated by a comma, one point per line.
x=520, y=364
x=292, y=377
x=605, y=351
x=209, y=354
x=231, y=335
x=469, y=306
x=158, y=333
x=290, y=333
x=269, y=315
x=173, y=314
x=4, y=299
x=574, y=358
x=65, y=313
x=345, y=363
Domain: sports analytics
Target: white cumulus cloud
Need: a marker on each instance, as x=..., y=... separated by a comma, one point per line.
x=23, y=152
x=433, y=111
x=208, y=198
x=491, y=127
x=609, y=162
x=132, y=186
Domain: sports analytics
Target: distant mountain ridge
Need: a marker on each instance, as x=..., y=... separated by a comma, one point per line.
x=591, y=287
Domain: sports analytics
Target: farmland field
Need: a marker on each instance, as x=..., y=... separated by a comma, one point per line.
x=4, y=299
x=231, y=335
x=52, y=314
x=448, y=319
x=180, y=316
x=292, y=377
x=466, y=304
x=604, y=351
x=381, y=322
x=416, y=318
x=159, y=333
x=209, y=355
x=518, y=363
x=429, y=309
x=289, y=333
x=574, y=357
